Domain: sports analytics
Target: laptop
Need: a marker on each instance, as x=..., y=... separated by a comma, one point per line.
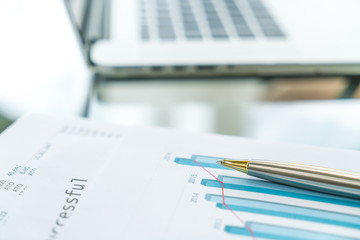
x=177, y=38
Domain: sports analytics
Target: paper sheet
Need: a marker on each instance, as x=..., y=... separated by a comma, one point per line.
x=65, y=178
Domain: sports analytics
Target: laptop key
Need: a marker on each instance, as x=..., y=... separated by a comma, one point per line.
x=164, y=21
x=216, y=26
x=266, y=22
x=191, y=28
x=242, y=28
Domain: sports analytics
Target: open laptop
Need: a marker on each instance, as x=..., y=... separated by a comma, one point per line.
x=155, y=38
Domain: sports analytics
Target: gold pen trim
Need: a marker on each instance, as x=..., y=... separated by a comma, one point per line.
x=239, y=165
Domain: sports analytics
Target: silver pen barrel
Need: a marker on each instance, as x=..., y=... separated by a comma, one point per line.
x=310, y=177
x=298, y=175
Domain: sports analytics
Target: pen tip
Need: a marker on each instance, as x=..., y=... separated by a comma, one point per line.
x=222, y=162
x=240, y=165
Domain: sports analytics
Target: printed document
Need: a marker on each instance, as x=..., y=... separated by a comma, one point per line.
x=70, y=178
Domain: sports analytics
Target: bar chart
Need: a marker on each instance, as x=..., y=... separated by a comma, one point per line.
x=268, y=207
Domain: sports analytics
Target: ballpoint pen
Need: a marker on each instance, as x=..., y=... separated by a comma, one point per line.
x=321, y=179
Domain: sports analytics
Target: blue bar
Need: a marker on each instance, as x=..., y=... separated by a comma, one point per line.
x=260, y=186
x=205, y=161
x=263, y=230
x=286, y=211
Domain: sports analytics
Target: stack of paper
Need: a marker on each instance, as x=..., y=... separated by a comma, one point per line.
x=65, y=178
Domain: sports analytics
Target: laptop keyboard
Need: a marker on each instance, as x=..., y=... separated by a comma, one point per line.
x=207, y=19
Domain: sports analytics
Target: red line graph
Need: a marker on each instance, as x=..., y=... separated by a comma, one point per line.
x=224, y=203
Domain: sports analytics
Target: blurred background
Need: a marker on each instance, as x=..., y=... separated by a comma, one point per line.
x=43, y=69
